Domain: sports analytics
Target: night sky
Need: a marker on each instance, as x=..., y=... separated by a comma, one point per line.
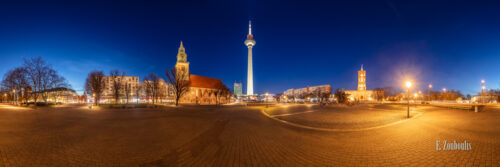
x=450, y=44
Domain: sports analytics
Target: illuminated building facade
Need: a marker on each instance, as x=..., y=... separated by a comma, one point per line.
x=131, y=82
x=238, y=89
x=307, y=91
x=362, y=94
x=202, y=90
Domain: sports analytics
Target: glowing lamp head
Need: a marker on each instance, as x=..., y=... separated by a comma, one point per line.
x=444, y=89
x=483, y=87
x=408, y=84
x=430, y=85
x=482, y=81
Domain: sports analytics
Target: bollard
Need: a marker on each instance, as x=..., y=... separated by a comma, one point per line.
x=476, y=108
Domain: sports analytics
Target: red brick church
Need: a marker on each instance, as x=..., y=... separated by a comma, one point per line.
x=202, y=90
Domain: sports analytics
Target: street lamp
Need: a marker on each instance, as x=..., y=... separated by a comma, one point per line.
x=408, y=85
x=429, y=92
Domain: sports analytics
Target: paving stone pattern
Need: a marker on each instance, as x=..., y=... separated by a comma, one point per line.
x=240, y=136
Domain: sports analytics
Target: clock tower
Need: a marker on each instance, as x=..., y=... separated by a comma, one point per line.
x=182, y=64
x=361, y=79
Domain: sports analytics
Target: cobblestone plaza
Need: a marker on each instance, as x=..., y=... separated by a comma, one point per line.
x=364, y=135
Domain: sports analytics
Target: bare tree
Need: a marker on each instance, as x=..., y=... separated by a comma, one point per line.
x=51, y=80
x=321, y=95
x=179, y=84
x=15, y=80
x=116, y=84
x=162, y=90
x=35, y=78
x=379, y=94
x=221, y=91
x=127, y=90
x=278, y=97
x=341, y=95
x=138, y=90
x=35, y=70
x=41, y=77
x=316, y=94
x=302, y=95
x=152, y=86
x=94, y=85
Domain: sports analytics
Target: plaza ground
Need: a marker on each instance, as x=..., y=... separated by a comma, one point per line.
x=247, y=136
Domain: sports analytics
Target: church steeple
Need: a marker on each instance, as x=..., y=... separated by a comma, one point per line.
x=182, y=64
x=181, y=55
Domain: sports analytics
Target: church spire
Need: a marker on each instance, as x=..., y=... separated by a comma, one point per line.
x=181, y=55
x=250, y=27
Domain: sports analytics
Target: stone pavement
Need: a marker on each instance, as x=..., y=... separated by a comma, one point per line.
x=239, y=136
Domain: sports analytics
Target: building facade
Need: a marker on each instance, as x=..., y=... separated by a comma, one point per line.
x=129, y=84
x=202, y=90
x=307, y=91
x=60, y=95
x=361, y=94
x=161, y=92
x=238, y=89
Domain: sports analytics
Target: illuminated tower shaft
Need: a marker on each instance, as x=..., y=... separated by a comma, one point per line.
x=250, y=42
x=250, y=72
x=361, y=79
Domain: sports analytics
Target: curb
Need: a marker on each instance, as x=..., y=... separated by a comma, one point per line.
x=338, y=130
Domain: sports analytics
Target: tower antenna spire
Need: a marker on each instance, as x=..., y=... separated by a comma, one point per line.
x=361, y=67
x=250, y=27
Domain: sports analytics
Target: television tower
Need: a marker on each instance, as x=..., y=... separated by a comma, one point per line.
x=250, y=42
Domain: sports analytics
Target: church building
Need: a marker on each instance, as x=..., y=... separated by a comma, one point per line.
x=202, y=90
x=361, y=94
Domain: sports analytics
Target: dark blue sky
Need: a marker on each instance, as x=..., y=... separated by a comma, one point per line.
x=452, y=44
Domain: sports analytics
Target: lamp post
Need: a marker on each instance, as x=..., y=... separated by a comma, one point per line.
x=429, y=92
x=408, y=85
